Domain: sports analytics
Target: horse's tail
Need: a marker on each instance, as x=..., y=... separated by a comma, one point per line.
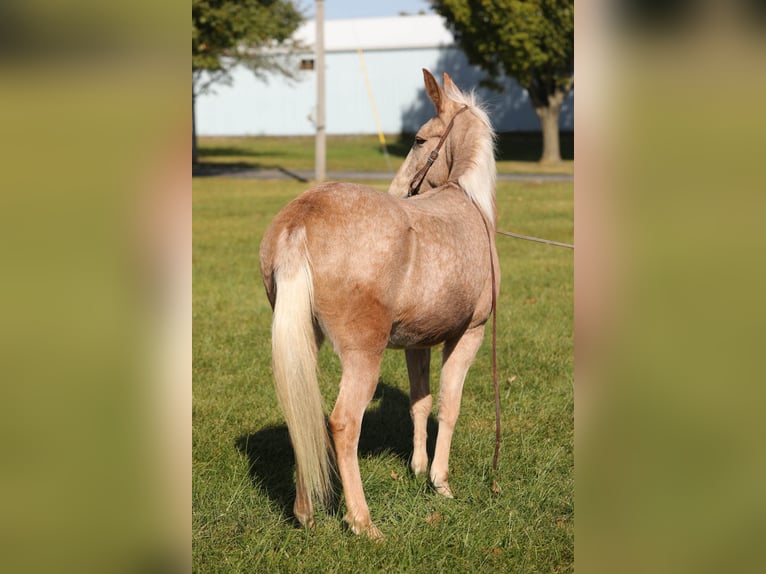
x=294, y=356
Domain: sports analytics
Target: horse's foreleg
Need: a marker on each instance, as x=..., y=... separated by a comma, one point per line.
x=357, y=386
x=418, y=368
x=457, y=357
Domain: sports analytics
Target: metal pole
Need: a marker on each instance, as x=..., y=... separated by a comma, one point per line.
x=320, y=149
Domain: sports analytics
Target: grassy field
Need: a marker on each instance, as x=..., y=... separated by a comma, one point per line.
x=516, y=152
x=242, y=460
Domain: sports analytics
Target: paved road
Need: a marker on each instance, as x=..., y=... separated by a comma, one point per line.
x=240, y=172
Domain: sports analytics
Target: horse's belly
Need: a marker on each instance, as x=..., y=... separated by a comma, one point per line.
x=426, y=332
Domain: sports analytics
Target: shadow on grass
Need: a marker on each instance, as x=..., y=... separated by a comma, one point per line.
x=214, y=169
x=511, y=146
x=528, y=146
x=229, y=151
x=211, y=169
x=386, y=428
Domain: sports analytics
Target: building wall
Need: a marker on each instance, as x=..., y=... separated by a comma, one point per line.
x=282, y=107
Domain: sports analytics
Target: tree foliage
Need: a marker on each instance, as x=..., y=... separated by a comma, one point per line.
x=227, y=33
x=530, y=40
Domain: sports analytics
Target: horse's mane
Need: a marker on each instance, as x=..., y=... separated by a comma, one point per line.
x=478, y=181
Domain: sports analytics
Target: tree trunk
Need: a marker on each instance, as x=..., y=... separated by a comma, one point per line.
x=194, y=130
x=549, y=122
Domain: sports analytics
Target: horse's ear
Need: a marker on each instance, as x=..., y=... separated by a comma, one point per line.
x=449, y=85
x=433, y=90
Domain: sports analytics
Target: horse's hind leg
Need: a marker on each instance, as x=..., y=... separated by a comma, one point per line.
x=418, y=367
x=457, y=357
x=357, y=386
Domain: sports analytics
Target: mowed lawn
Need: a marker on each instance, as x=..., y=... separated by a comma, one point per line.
x=242, y=460
x=515, y=152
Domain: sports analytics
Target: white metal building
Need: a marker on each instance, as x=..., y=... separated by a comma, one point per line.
x=393, y=52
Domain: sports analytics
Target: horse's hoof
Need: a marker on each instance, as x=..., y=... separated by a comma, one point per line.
x=306, y=521
x=369, y=529
x=419, y=467
x=444, y=489
x=373, y=533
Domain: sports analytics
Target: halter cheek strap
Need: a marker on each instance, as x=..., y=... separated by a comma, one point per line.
x=417, y=179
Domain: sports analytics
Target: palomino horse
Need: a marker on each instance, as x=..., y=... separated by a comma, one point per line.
x=409, y=270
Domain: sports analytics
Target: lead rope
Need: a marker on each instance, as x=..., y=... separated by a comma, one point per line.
x=494, y=355
x=537, y=239
x=414, y=189
x=495, y=384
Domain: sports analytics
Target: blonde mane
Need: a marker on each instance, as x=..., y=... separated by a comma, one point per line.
x=478, y=181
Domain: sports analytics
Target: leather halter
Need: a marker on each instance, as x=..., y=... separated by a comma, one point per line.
x=417, y=179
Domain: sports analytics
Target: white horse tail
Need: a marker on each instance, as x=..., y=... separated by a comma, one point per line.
x=294, y=356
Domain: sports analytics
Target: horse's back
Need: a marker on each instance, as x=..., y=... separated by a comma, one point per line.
x=353, y=239
x=337, y=215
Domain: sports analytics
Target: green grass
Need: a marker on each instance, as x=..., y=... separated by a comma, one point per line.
x=516, y=152
x=242, y=461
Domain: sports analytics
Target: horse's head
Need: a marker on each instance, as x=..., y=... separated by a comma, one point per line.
x=467, y=148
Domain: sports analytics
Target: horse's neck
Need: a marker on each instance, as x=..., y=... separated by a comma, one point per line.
x=474, y=169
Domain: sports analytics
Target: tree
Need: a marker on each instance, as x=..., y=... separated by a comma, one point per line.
x=530, y=40
x=229, y=33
